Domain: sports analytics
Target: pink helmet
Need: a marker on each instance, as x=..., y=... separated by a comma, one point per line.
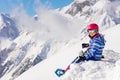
x=93, y=26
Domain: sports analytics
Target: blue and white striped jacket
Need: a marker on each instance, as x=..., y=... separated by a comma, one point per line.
x=95, y=48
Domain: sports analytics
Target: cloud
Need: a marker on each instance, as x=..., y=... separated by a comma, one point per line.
x=50, y=24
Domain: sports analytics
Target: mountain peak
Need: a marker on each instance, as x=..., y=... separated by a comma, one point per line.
x=78, y=7
x=104, y=12
x=8, y=28
x=81, y=6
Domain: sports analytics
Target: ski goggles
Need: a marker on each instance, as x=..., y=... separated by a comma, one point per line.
x=91, y=31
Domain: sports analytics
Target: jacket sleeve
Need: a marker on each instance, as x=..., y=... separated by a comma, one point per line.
x=95, y=49
x=90, y=52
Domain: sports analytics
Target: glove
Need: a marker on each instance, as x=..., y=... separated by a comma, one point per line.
x=81, y=58
x=103, y=56
x=85, y=45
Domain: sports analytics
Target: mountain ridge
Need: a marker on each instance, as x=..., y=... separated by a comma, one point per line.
x=92, y=10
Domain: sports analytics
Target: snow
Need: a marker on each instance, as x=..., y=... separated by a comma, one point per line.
x=88, y=70
x=53, y=41
x=112, y=36
x=99, y=5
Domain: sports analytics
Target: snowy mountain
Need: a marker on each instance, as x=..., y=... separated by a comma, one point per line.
x=44, y=43
x=36, y=41
x=98, y=11
x=8, y=27
x=22, y=48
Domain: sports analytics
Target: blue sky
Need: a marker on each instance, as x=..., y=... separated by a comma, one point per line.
x=6, y=6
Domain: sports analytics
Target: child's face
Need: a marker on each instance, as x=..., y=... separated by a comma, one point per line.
x=91, y=32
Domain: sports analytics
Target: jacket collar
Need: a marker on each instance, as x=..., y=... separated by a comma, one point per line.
x=96, y=35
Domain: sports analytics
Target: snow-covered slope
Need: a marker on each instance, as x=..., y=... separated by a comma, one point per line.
x=112, y=36
x=98, y=11
x=107, y=69
x=53, y=41
x=20, y=48
x=36, y=42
